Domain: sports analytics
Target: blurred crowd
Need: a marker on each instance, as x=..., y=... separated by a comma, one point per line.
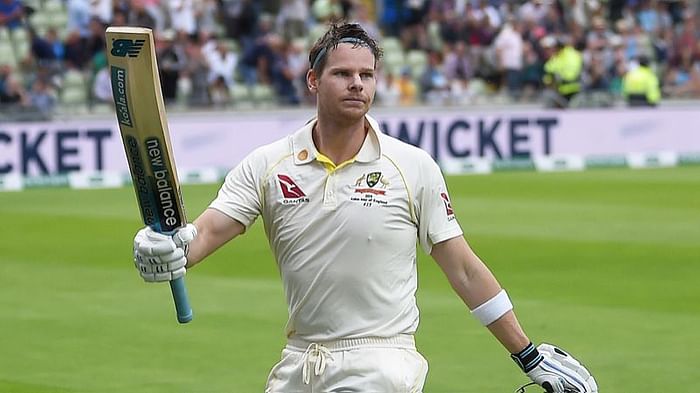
x=221, y=53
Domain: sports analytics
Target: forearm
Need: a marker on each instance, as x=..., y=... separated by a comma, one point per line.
x=214, y=229
x=475, y=284
x=508, y=332
x=481, y=286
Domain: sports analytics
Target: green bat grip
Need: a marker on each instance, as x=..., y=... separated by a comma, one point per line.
x=182, y=302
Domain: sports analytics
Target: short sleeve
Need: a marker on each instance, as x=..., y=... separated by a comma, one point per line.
x=239, y=197
x=436, y=217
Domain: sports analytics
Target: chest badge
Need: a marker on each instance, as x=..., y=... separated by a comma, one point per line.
x=372, y=187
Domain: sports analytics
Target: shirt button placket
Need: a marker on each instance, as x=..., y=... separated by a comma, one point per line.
x=329, y=196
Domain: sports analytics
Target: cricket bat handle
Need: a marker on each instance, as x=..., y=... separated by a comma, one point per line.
x=182, y=302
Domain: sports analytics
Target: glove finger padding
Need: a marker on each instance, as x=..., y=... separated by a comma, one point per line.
x=151, y=243
x=157, y=256
x=559, y=372
x=185, y=235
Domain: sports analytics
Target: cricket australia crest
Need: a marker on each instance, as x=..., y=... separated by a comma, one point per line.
x=371, y=194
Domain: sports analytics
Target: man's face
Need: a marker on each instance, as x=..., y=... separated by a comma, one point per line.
x=346, y=86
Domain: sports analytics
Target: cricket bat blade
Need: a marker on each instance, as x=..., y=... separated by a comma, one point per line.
x=140, y=111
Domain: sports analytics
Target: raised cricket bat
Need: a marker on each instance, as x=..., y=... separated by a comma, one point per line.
x=141, y=115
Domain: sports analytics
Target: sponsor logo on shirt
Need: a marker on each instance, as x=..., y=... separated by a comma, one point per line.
x=448, y=206
x=290, y=190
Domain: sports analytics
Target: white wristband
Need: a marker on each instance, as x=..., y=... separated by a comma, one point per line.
x=494, y=308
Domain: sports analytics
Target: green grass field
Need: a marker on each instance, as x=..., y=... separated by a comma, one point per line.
x=604, y=263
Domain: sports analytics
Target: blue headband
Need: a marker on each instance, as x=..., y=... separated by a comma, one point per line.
x=322, y=52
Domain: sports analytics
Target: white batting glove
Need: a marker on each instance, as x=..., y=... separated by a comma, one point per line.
x=160, y=257
x=555, y=370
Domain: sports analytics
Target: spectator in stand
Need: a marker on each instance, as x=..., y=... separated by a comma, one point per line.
x=687, y=33
x=240, y=18
x=532, y=72
x=361, y=16
x=182, y=18
x=5, y=72
x=102, y=10
x=281, y=73
x=640, y=85
x=387, y=91
x=206, y=14
x=327, y=10
x=139, y=16
x=413, y=34
x=453, y=28
x=488, y=12
x=197, y=73
x=119, y=18
x=682, y=78
x=534, y=11
x=41, y=51
x=554, y=22
x=219, y=93
x=509, y=56
x=222, y=63
x=563, y=71
x=54, y=41
x=79, y=14
x=257, y=56
x=12, y=94
x=433, y=30
x=102, y=86
x=458, y=62
x=598, y=57
x=434, y=84
x=479, y=32
x=298, y=64
x=171, y=62
x=596, y=78
x=42, y=97
x=291, y=18
x=76, y=55
x=11, y=13
x=95, y=42
x=408, y=91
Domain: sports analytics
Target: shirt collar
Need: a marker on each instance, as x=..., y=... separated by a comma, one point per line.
x=305, y=151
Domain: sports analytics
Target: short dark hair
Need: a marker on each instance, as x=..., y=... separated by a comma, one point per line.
x=337, y=33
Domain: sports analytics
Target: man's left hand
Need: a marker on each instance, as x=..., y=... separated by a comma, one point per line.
x=559, y=372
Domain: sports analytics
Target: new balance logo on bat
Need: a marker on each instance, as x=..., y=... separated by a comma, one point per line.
x=122, y=48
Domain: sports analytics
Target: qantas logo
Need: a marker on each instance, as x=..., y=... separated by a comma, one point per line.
x=448, y=205
x=290, y=190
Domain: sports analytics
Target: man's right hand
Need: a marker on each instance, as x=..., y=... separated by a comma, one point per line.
x=160, y=257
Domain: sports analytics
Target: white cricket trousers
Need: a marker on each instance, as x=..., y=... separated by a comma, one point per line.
x=363, y=365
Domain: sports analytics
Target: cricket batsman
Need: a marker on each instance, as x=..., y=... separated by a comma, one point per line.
x=343, y=206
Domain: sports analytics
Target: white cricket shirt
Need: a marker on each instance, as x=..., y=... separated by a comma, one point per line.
x=344, y=238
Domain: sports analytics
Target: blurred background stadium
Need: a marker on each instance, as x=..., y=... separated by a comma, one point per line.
x=603, y=261
x=242, y=53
